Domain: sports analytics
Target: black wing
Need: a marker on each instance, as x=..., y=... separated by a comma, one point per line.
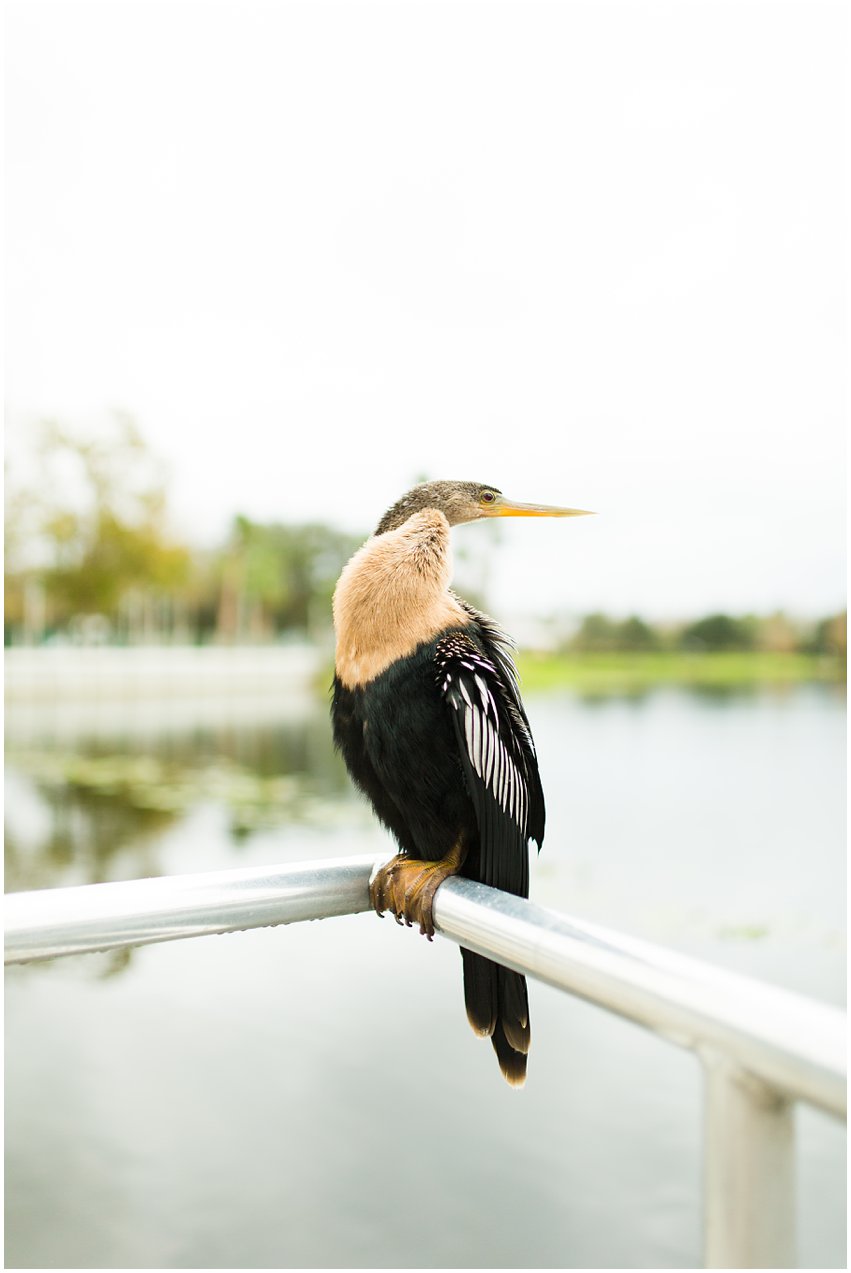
x=497, y=756
x=499, y=646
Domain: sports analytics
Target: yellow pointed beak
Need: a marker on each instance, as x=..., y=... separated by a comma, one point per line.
x=510, y=508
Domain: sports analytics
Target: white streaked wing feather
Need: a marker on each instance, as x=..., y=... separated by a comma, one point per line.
x=476, y=756
x=468, y=733
x=491, y=759
x=491, y=748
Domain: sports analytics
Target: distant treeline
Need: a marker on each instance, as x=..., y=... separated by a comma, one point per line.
x=716, y=632
x=90, y=557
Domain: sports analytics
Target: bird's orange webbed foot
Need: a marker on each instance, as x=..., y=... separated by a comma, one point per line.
x=406, y=886
x=385, y=891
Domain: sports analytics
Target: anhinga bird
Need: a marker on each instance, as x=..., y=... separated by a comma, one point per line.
x=427, y=714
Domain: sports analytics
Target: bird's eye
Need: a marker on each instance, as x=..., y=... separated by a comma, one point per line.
x=488, y=497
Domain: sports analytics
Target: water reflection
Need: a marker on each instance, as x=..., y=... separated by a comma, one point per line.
x=82, y=831
x=95, y=807
x=712, y=823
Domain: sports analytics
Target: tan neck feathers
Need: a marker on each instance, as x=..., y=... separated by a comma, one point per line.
x=392, y=596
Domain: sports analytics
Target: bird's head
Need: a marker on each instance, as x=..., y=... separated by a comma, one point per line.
x=465, y=502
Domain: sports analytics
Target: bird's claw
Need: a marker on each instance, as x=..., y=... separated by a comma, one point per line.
x=406, y=887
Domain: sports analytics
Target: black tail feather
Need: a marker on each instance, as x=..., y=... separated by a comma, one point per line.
x=511, y=1062
x=498, y=1006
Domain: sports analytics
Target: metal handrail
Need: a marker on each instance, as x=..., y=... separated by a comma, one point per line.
x=73, y=921
x=762, y=1047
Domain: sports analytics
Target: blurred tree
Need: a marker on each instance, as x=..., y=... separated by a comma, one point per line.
x=635, y=634
x=831, y=636
x=275, y=577
x=596, y=632
x=88, y=530
x=719, y=632
x=778, y=633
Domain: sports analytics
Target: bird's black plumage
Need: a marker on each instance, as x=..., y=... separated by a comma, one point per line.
x=397, y=740
x=440, y=744
x=427, y=714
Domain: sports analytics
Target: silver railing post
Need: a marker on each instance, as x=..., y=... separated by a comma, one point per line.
x=749, y=1166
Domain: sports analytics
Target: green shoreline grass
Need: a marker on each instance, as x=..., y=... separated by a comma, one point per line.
x=632, y=671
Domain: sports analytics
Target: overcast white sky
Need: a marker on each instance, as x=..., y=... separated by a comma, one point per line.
x=590, y=253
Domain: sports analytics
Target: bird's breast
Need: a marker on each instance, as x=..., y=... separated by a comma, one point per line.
x=391, y=598
x=372, y=639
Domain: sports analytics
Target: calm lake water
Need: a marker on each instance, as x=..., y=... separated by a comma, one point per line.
x=312, y=1096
